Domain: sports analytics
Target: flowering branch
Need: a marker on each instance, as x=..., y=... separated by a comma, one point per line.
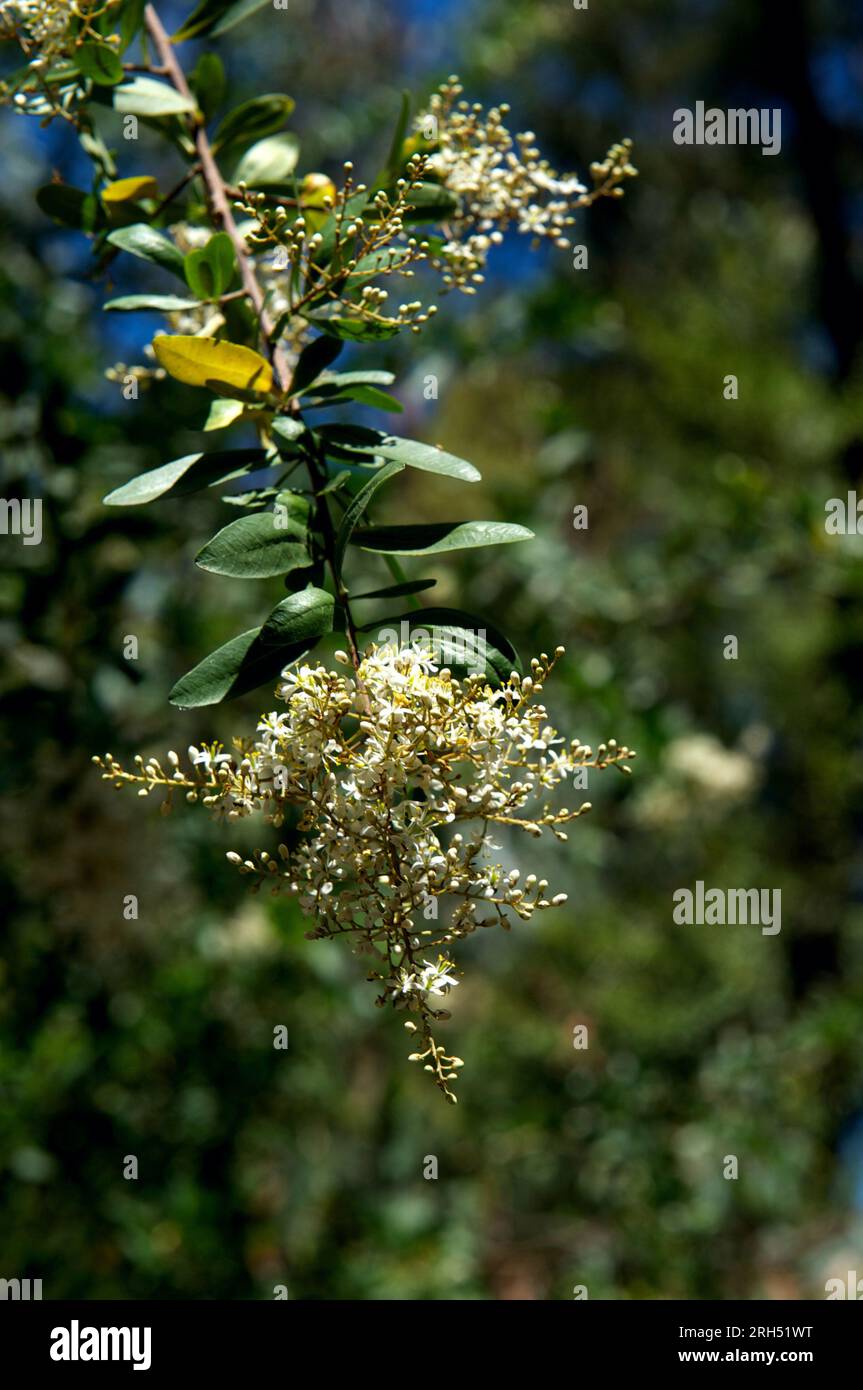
x=434, y=729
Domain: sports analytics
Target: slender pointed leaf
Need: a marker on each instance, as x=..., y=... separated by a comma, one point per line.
x=185, y=475
x=354, y=512
x=164, y=303
x=410, y=586
x=410, y=452
x=313, y=360
x=434, y=538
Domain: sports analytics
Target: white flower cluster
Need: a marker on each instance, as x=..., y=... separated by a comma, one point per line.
x=502, y=181
x=381, y=765
x=42, y=23
x=48, y=32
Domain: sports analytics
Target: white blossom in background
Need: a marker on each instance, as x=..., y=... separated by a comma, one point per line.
x=714, y=769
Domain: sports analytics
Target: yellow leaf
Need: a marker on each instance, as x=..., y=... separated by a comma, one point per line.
x=205, y=362
x=130, y=190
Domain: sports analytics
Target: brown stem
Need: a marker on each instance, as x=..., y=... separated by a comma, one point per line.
x=218, y=198
x=217, y=195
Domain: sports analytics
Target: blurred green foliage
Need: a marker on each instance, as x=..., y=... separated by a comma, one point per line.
x=604, y=388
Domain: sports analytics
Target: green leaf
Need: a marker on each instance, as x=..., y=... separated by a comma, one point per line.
x=307, y=613
x=353, y=330
x=433, y=538
x=358, y=505
x=185, y=475
x=361, y=378
x=223, y=413
x=321, y=396
x=258, y=497
x=337, y=482
x=354, y=438
x=149, y=245
x=95, y=148
x=242, y=664
x=258, y=547
x=70, y=206
x=144, y=96
x=100, y=63
x=209, y=83
x=164, y=303
x=394, y=160
x=410, y=586
x=131, y=20
x=217, y=17
x=203, y=19
x=288, y=428
x=430, y=202
x=462, y=641
x=210, y=270
x=253, y=120
x=312, y=361
x=237, y=12
x=270, y=162
x=297, y=505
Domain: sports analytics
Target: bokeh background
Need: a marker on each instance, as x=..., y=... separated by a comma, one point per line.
x=601, y=387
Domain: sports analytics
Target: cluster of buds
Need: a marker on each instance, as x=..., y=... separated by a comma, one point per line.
x=375, y=770
x=365, y=241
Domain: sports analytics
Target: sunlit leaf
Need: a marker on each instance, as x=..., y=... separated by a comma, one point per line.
x=144, y=96
x=270, y=162
x=432, y=538
x=207, y=362
x=223, y=413
x=164, y=303
x=130, y=190
x=355, y=438
x=145, y=242
x=185, y=475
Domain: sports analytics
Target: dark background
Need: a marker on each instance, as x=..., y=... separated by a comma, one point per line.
x=601, y=387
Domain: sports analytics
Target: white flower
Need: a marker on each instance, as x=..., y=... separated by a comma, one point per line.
x=208, y=757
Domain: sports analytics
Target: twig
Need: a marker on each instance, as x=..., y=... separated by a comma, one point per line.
x=217, y=195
